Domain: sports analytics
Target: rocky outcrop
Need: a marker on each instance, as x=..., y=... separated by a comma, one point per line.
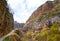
x=45, y=7
x=44, y=16
x=56, y=1
x=6, y=19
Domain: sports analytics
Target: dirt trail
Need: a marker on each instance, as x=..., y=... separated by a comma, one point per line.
x=1, y=39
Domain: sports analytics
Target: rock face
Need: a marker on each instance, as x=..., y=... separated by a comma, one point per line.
x=45, y=7
x=44, y=16
x=57, y=1
x=6, y=19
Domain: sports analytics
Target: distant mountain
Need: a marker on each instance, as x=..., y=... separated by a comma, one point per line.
x=18, y=25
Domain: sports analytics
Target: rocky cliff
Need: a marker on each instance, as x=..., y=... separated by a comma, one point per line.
x=46, y=15
x=6, y=19
x=45, y=7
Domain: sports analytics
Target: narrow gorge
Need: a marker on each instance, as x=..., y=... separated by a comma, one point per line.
x=42, y=25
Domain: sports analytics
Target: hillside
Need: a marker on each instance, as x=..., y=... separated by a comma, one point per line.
x=45, y=14
x=6, y=19
x=45, y=7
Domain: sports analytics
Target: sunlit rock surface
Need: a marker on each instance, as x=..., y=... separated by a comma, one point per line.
x=45, y=15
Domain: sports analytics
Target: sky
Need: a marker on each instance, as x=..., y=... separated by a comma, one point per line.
x=23, y=9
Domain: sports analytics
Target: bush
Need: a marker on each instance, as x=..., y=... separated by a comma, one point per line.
x=49, y=35
x=6, y=39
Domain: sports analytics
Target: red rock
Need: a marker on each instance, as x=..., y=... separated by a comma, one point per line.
x=45, y=7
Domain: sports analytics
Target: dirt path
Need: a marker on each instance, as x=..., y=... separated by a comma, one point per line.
x=1, y=39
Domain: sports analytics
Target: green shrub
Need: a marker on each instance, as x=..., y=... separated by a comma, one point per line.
x=7, y=39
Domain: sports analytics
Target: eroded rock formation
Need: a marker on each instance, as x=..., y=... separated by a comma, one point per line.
x=6, y=19
x=45, y=14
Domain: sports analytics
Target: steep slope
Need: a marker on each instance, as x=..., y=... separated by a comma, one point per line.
x=45, y=7
x=6, y=19
x=45, y=17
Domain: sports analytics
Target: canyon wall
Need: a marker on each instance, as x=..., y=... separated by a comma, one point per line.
x=6, y=19
x=43, y=15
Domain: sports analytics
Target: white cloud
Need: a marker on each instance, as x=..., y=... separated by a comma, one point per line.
x=21, y=17
x=24, y=8
x=32, y=3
